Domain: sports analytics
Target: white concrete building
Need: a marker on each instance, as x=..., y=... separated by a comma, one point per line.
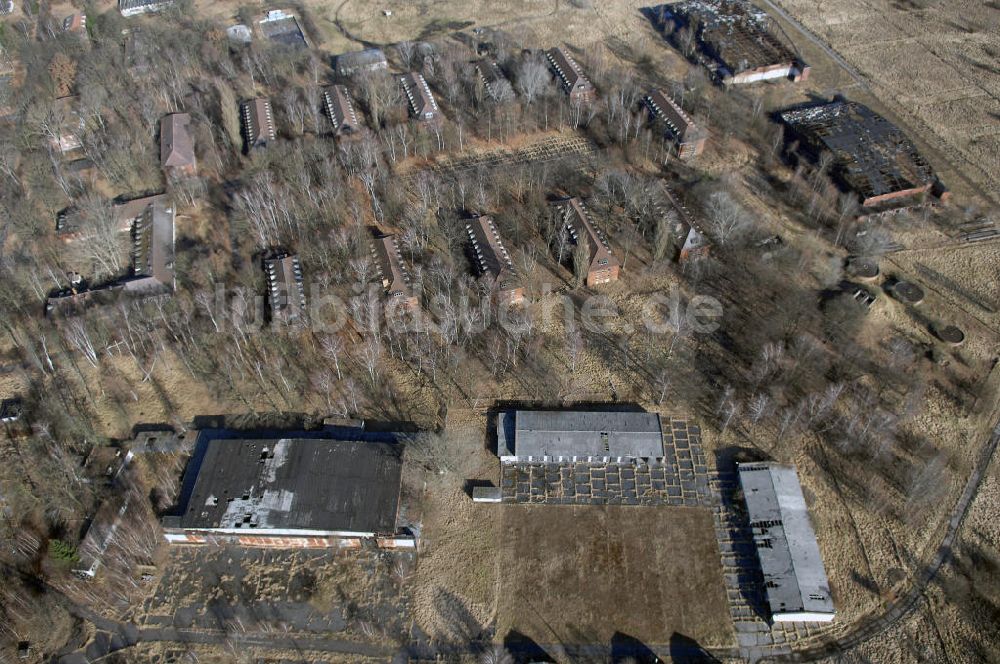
x=541, y=436
x=794, y=577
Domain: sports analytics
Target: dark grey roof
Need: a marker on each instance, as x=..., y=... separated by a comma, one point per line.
x=370, y=58
x=540, y=433
x=285, y=291
x=153, y=246
x=795, y=579
x=295, y=484
x=10, y=409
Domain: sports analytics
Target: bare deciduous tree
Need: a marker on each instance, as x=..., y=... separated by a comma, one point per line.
x=727, y=220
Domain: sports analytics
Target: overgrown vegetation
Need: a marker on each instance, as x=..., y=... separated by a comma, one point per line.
x=797, y=368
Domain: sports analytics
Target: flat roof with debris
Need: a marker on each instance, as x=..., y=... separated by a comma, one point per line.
x=283, y=28
x=296, y=486
x=540, y=434
x=794, y=577
x=737, y=35
x=368, y=59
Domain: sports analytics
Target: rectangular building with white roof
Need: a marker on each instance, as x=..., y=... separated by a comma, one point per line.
x=794, y=577
x=543, y=436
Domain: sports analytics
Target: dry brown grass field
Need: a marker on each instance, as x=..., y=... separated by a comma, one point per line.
x=483, y=565
x=581, y=574
x=935, y=63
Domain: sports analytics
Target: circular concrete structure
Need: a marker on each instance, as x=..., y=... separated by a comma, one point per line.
x=908, y=292
x=863, y=268
x=949, y=334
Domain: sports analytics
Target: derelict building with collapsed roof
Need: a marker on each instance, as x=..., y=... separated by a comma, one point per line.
x=736, y=40
x=872, y=156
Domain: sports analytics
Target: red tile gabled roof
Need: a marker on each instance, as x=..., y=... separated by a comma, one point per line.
x=421, y=99
x=176, y=143
x=573, y=80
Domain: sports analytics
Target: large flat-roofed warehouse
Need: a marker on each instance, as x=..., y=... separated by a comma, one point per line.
x=794, y=578
x=872, y=156
x=571, y=436
x=291, y=492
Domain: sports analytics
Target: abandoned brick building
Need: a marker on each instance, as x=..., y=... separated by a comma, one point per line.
x=492, y=260
x=494, y=81
x=177, y=145
x=871, y=156
x=737, y=41
x=370, y=59
x=75, y=23
x=603, y=267
x=687, y=136
x=291, y=493
x=421, y=100
x=258, y=123
x=693, y=240
x=574, y=82
x=339, y=107
x=392, y=271
x=153, y=248
x=150, y=225
x=286, y=293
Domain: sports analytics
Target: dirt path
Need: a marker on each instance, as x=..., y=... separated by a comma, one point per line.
x=871, y=627
x=808, y=34
x=115, y=636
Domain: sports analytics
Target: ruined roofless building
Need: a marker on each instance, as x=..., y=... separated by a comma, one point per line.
x=339, y=108
x=872, y=156
x=177, y=145
x=285, y=291
x=688, y=136
x=392, y=271
x=258, y=123
x=570, y=75
x=603, y=267
x=493, y=261
x=423, y=106
x=736, y=38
